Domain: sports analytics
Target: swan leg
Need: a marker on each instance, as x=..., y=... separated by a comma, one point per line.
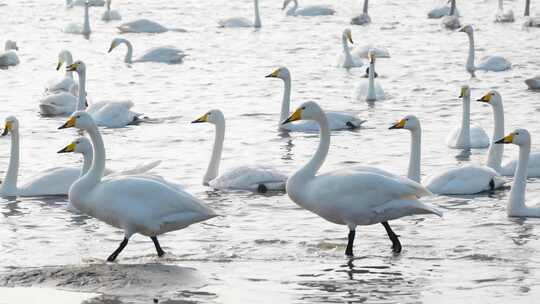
x=160, y=251
x=349, y=250
x=115, y=254
x=262, y=188
x=396, y=245
x=492, y=184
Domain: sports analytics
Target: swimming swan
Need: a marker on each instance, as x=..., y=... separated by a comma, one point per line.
x=452, y=20
x=369, y=90
x=77, y=28
x=109, y=14
x=66, y=83
x=440, y=11
x=530, y=21
x=533, y=83
x=502, y=15
x=243, y=22
x=135, y=205
x=346, y=59
x=336, y=120
x=363, y=18
x=313, y=10
x=9, y=57
x=252, y=178
x=145, y=26
x=351, y=197
x=164, y=54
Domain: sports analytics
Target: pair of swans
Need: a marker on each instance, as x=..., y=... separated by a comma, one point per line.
x=530, y=21
x=251, y=178
x=350, y=59
x=308, y=11
x=441, y=10
x=77, y=28
x=363, y=18
x=9, y=56
x=369, y=90
x=452, y=20
x=503, y=15
x=488, y=63
x=243, y=22
x=110, y=15
x=336, y=120
x=352, y=196
x=163, y=54
x=134, y=204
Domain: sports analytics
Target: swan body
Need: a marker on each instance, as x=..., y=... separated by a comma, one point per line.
x=348, y=196
x=502, y=15
x=363, y=18
x=370, y=90
x=336, y=120
x=533, y=83
x=243, y=22
x=66, y=83
x=379, y=52
x=452, y=20
x=83, y=2
x=133, y=204
x=251, y=178
x=60, y=103
x=164, y=54
x=346, y=59
x=488, y=63
x=110, y=15
x=9, y=57
x=468, y=179
x=77, y=28
x=516, y=201
x=441, y=11
x=143, y=26
x=308, y=11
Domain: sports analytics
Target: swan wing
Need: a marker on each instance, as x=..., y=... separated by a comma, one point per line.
x=336, y=121
x=139, y=169
x=63, y=84
x=494, y=63
x=380, y=52
x=469, y=179
x=167, y=54
x=55, y=181
x=315, y=10
x=9, y=58
x=113, y=114
x=479, y=137
x=250, y=178
x=439, y=12
x=235, y=22
x=533, y=166
x=58, y=104
x=142, y=26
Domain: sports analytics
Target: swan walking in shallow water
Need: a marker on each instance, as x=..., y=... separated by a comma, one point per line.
x=369, y=90
x=452, y=20
x=109, y=15
x=502, y=15
x=313, y=10
x=77, y=28
x=133, y=204
x=346, y=59
x=363, y=18
x=9, y=57
x=351, y=197
x=243, y=22
x=164, y=54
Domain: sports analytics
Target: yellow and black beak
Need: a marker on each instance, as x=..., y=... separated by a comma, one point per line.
x=349, y=36
x=508, y=139
x=398, y=125
x=71, y=67
x=201, y=119
x=7, y=128
x=113, y=45
x=485, y=98
x=463, y=92
x=59, y=65
x=69, y=148
x=297, y=115
x=69, y=124
x=274, y=74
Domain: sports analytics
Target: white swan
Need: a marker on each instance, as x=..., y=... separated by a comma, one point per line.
x=346, y=59
x=351, y=197
x=363, y=51
x=368, y=90
x=440, y=11
x=533, y=83
x=411, y=123
x=145, y=26
x=83, y=2
x=109, y=14
x=164, y=54
x=66, y=83
x=516, y=202
x=467, y=136
x=452, y=20
x=363, y=18
x=135, y=205
x=530, y=21
x=77, y=28
x=488, y=63
x=251, y=178
x=336, y=120
x=243, y=22
x=9, y=57
x=313, y=10
x=502, y=15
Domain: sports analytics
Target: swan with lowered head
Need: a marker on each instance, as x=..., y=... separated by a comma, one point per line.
x=488, y=63
x=133, y=204
x=502, y=15
x=77, y=28
x=251, y=178
x=412, y=123
x=530, y=21
x=164, y=54
x=363, y=18
x=348, y=196
x=369, y=90
x=441, y=10
x=243, y=22
x=336, y=120
x=308, y=11
x=346, y=59
x=110, y=15
x=467, y=136
x=66, y=83
x=452, y=20
x=516, y=202
x=9, y=57
x=146, y=26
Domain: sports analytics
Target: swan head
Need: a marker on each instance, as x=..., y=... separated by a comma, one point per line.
x=79, y=145
x=285, y=3
x=348, y=35
x=63, y=56
x=80, y=120
x=78, y=66
x=11, y=125
x=518, y=137
x=466, y=29
x=492, y=97
x=409, y=122
x=116, y=42
x=465, y=91
x=11, y=45
x=309, y=110
x=281, y=73
x=213, y=116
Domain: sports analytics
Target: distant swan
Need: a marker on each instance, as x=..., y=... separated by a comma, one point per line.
x=362, y=18
x=369, y=90
x=452, y=20
x=66, y=83
x=346, y=59
x=243, y=22
x=533, y=83
x=77, y=28
x=146, y=26
x=530, y=21
x=9, y=57
x=440, y=11
x=313, y=10
x=109, y=14
x=164, y=54
x=83, y=2
x=502, y=15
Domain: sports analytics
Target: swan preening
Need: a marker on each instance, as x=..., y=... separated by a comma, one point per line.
x=346, y=59
x=77, y=28
x=250, y=178
x=243, y=22
x=362, y=18
x=369, y=90
x=9, y=57
x=488, y=63
x=312, y=10
x=441, y=10
x=352, y=197
x=131, y=203
x=145, y=26
x=530, y=21
x=452, y=20
x=467, y=136
x=336, y=120
x=109, y=15
x=164, y=54
x=502, y=15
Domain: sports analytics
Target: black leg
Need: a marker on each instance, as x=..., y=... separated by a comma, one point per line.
x=396, y=245
x=113, y=256
x=160, y=251
x=349, y=250
x=492, y=184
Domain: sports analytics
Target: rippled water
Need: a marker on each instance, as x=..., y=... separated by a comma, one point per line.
x=265, y=249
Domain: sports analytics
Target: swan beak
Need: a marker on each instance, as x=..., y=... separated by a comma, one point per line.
x=113, y=45
x=67, y=149
x=398, y=125
x=371, y=57
x=297, y=115
x=69, y=124
x=508, y=139
x=71, y=67
x=463, y=93
x=485, y=98
x=201, y=119
x=274, y=74
x=7, y=128
x=349, y=36
x=59, y=65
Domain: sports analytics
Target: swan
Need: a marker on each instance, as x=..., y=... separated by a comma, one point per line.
x=145, y=26
x=533, y=83
x=251, y=178
x=440, y=11
x=337, y=120
x=66, y=83
x=369, y=90
x=363, y=51
x=71, y=3
x=133, y=204
x=164, y=54
x=351, y=197
x=313, y=10
x=488, y=63
x=467, y=136
x=109, y=14
x=412, y=123
x=346, y=60
x=243, y=22
x=502, y=15
x=9, y=57
x=452, y=20
x=516, y=201
x=77, y=28
x=363, y=18
x=530, y=21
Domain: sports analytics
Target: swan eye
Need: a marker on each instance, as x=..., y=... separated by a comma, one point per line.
x=517, y=133
x=303, y=108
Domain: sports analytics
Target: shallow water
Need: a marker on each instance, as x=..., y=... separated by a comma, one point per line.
x=265, y=249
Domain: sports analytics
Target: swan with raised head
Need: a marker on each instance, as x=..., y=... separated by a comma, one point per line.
x=351, y=197
x=369, y=90
x=530, y=21
x=9, y=56
x=516, y=202
x=363, y=18
x=488, y=63
x=133, y=204
x=110, y=15
x=243, y=22
x=77, y=28
x=163, y=54
x=441, y=10
x=308, y=11
x=251, y=178
x=467, y=136
x=145, y=26
x=71, y=3
x=502, y=15
x=412, y=123
x=346, y=59
x=452, y=20
x=66, y=83
x=336, y=120
x=533, y=83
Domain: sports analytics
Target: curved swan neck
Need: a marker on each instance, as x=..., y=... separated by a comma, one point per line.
x=286, y=103
x=257, y=22
x=415, y=157
x=527, y=8
x=464, y=139
x=311, y=168
x=470, y=58
x=365, y=10
x=81, y=104
x=68, y=59
x=9, y=184
x=452, y=7
x=88, y=157
x=86, y=26
x=213, y=167
x=516, y=202
x=94, y=175
x=292, y=10
x=129, y=53
x=495, y=153
x=371, y=96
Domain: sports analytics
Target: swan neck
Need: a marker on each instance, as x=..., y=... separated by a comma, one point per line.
x=87, y=161
x=495, y=153
x=86, y=26
x=501, y=5
x=257, y=22
x=68, y=59
x=516, y=201
x=286, y=103
x=470, y=59
x=94, y=175
x=365, y=10
x=464, y=139
x=371, y=96
x=81, y=104
x=9, y=185
x=311, y=168
x=452, y=7
x=213, y=167
x=129, y=53
x=527, y=8
x=415, y=157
